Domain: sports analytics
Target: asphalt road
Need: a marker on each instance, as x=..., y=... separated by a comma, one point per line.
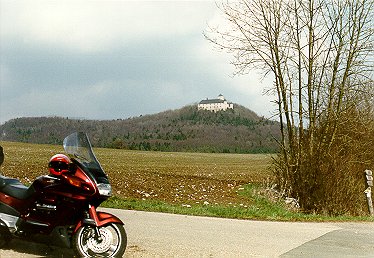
x=168, y=235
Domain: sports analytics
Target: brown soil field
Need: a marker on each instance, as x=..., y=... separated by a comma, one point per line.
x=165, y=176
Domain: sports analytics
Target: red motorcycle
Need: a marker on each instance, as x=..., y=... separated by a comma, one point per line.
x=60, y=208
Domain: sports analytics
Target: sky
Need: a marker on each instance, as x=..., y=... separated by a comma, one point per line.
x=115, y=59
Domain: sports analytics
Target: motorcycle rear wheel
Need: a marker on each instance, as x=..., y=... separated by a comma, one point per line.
x=4, y=240
x=112, y=244
x=5, y=236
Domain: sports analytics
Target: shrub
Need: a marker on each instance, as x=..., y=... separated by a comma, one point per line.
x=332, y=181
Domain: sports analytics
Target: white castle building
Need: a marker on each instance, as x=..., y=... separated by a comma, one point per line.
x=218, y=104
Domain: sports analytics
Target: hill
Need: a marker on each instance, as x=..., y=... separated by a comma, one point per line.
x=186, y=129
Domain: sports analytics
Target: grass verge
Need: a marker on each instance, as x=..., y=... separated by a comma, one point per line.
x=262, y=208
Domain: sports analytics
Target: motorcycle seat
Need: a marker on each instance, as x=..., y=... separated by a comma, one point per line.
x=15, y=188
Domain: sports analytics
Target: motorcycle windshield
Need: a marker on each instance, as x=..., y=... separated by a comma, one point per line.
x=79, y=147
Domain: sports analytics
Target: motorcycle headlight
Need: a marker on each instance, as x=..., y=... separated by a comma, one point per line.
x=104, y=189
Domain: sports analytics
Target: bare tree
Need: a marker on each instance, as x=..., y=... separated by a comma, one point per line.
x=320, y=54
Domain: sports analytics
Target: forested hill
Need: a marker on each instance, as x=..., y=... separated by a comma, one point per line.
x=186, y=129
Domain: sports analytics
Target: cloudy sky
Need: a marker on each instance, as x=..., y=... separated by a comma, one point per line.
x=114, y=59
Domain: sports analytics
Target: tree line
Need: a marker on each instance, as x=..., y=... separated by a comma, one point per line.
x=186, y=129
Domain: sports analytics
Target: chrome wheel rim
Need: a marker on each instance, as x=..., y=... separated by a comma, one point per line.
x=106, y=247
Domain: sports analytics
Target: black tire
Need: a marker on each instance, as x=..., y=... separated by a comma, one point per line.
x=4, y=240
x=113, y=244
x=5, y=236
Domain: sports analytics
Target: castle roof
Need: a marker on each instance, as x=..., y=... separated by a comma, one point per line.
x=211, y=101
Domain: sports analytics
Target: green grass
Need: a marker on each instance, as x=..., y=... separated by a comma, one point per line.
x=261, y=209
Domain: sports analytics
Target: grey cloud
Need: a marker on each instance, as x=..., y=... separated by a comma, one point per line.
x=139, y=75
x=141, y=66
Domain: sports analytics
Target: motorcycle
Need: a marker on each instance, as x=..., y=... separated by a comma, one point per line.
x=60, y=208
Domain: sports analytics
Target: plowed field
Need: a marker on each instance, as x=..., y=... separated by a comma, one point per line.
x=184, y=178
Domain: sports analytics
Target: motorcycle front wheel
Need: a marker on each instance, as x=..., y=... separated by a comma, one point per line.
x=112, y=241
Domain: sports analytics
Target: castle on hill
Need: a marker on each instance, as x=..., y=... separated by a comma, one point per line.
x=218, y=104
